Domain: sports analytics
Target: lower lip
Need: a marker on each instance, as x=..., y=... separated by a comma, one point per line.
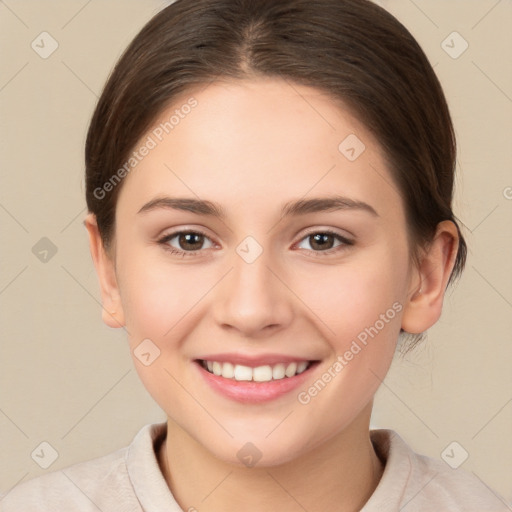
x=254, y=392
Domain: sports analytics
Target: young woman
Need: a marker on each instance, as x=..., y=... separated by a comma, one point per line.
x=269, y=188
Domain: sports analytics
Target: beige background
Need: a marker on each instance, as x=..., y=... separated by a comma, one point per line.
x=68, y=380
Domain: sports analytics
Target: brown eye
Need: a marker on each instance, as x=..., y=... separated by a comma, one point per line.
x=190, y=241
x=321, y=241
x=324, y=241
x=187, y=243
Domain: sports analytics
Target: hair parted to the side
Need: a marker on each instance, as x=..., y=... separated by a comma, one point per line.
x=353, y=50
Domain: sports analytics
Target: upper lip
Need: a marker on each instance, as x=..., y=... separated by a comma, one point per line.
x=254, y=360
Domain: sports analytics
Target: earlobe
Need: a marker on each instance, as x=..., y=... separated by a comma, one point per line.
x=112, y=311
x=424, y=301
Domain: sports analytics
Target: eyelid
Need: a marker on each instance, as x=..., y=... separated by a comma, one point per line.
x=187, y=229
x=163, y=240
x=331, y=231
x=345, y=241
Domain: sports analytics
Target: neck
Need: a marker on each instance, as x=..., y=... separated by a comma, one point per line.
x=339, y=476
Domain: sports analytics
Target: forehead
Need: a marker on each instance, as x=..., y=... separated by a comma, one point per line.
x=260, y=140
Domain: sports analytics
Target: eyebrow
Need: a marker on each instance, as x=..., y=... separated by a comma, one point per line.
x=291, y=208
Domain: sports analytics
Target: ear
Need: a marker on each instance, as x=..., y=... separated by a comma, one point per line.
x=425, y=300
x=112, y=312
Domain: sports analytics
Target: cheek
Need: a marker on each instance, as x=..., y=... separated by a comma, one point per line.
x=156, y=299
x=360, y=311
x=156, y=296
x=355, y=301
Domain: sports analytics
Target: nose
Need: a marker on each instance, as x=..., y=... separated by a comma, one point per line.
x=254, y=298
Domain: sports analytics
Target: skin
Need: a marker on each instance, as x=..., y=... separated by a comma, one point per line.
x=251, y=146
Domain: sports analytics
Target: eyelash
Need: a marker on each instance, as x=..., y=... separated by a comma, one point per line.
x=167, y=238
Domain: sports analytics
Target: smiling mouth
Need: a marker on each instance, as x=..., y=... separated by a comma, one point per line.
x=265, y=373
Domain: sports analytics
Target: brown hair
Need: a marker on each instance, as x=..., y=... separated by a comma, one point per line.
x=353, y=50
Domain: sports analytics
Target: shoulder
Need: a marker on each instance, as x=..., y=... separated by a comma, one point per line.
x=102, y=484
x=416, y=482
x=78, y=487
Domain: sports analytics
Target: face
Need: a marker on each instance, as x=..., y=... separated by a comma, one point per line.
x=270, y=313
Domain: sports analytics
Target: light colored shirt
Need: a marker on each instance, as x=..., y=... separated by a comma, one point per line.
x=130, y=480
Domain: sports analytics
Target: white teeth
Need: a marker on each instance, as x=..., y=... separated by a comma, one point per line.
x=243, y=372
x=228, y=371
x=291, y=369
x=217, y=368
x=264, y=373
x=278, y=371
x=301, y=367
